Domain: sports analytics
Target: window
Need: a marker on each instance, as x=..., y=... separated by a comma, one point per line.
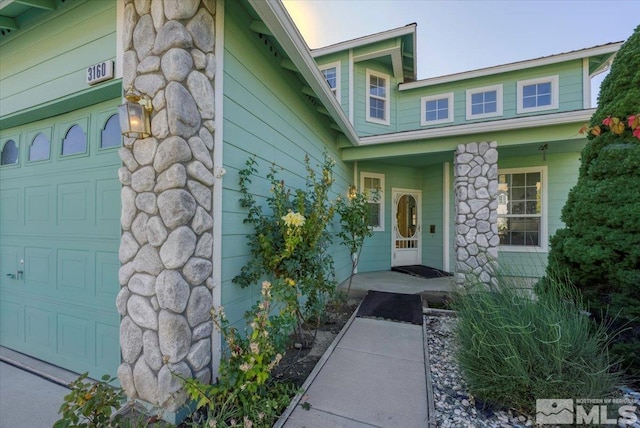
x=437, y=109
x=74, y=142
x=111, y=135
x=40, y=148
x=372, y=186
x=9, y=154
x=484, y=102
x=522, y=209
x=377, y=98
x=537, y=94
x=331, y=73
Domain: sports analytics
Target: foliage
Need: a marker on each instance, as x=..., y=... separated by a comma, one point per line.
x=355, y=226
x=244, y=395
x=291, y=241
x=599, y=249
x=90, y=404
x=514, y=349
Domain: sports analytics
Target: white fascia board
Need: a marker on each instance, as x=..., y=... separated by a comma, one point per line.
x=521, y=65
x=394, y=53
x=278, y=21
x=366, y=40
x=480, y=127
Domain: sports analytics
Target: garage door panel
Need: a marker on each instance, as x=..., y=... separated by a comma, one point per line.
x=39, y=328
x=107, y=345
x=62, y=217
x=10, y=209
x=12, y=322
x=38, y=212
x=75, y=338
x=38, y=268
x=107, y=213
x=107, y=283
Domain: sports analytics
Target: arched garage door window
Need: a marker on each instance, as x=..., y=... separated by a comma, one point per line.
x=74, y=142
x=111, y=135
x=9, y=153
x=40, y=148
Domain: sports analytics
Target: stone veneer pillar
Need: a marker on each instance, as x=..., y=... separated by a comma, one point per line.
x=166, y=244
x=476, y=191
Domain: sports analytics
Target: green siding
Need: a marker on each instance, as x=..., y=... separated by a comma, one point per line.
x=266, y=115
x=47, y=61
x=62, y=217
x=569, y=85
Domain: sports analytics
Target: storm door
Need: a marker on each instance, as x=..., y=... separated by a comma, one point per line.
x=406, y=231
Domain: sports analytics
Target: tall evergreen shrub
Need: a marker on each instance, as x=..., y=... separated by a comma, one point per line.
x=599, y=249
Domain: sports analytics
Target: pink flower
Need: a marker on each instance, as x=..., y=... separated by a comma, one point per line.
x=636, y=132
x=607, y=121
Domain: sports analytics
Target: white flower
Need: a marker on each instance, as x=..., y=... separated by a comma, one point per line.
x=293, y=219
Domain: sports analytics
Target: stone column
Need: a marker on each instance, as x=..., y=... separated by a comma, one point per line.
x=476, y=203
x=167, y=243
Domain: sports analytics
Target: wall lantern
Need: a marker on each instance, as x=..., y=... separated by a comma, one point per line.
x=135, y=115
x=352, y=192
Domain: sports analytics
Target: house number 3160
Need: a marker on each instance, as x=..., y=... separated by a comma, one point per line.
x=100, y=72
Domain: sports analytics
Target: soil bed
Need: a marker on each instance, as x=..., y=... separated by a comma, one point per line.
x=299, y=362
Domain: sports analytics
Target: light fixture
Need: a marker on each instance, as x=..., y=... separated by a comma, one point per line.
x=135, y=115
x=352, y=192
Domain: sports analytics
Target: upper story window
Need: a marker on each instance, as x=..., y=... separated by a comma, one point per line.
x=436, y=109
x=9, y=155
x=372, y=186
x=377, y=97
x=331, y=73
x=484, y=102
x=40, y=148
x=537, y=94
x=522, y=210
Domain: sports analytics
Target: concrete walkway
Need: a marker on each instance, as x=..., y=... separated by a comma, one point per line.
x=374, y=377
x=28, y=400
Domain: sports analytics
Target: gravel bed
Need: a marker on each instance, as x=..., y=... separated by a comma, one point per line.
x=454, y=406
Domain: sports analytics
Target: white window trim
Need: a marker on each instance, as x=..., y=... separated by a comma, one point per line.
x=423, y=109
x=499, y=101
x=335, y=65
x=380, y=177
x=387, y=100
x=544, y=218
x=554, y=80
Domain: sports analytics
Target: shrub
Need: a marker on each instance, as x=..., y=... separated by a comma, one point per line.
x=90, y=404
x=514, y=349
x=599, y=249
x=245, y=394
x=291, y=241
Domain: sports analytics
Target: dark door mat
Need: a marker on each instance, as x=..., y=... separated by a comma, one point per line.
x=421, y=271
x=392, y=306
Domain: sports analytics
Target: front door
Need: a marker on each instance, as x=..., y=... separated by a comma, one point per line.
x=406, y=232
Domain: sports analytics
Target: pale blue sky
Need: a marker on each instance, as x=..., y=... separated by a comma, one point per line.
x=455, y=36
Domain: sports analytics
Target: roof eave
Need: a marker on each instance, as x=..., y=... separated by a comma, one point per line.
x=520, y=65
x=279, y=23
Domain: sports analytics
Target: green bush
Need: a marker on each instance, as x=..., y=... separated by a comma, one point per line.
x=514, y=349
x=599, y=249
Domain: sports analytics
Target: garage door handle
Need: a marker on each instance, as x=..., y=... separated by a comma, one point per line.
x=11, y=275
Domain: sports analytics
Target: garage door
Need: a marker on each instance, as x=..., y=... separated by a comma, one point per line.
x=59, y=238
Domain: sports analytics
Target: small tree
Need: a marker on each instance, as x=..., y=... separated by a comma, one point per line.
x=291, y=242
x=599, y=249
x=355, y=227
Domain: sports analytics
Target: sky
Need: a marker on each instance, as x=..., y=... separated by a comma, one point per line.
x=462, y=35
